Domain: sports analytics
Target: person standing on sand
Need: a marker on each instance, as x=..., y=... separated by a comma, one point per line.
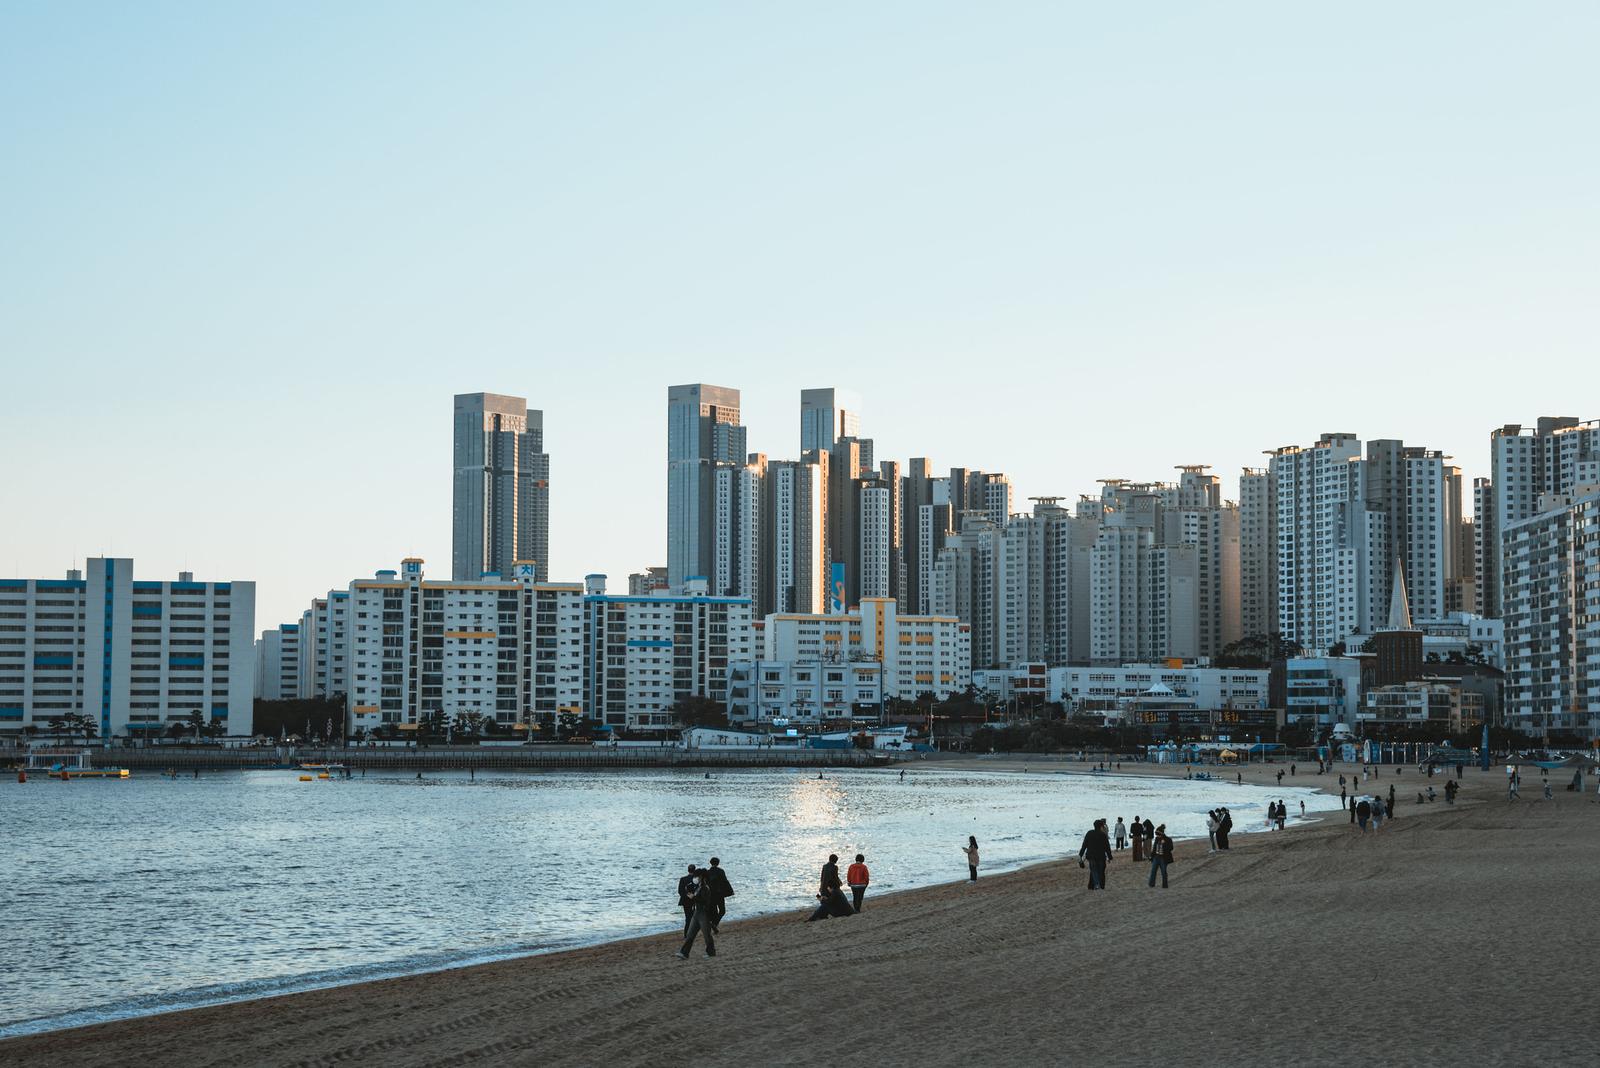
x=971, y=850
x=1363, y=814
x=1096, y=849
x=1137, y=831
x=687, y=886
x=1224, y=825
x=705, y=903
x=1211, y=831
x=1283, y=814
x=1160, y=856
x=722, y=889
x=1342, y=803
x=1122, y=835
x=1352, y=811
x=858, y=877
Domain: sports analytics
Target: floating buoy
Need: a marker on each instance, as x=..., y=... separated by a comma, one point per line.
x=305, y=778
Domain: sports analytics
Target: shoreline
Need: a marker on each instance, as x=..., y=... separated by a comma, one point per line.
x=360, y=974
x=905, y=944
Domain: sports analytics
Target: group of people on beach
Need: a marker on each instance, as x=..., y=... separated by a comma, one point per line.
x=830, y=891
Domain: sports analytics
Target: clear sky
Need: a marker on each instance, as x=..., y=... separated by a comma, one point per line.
x=249, y=251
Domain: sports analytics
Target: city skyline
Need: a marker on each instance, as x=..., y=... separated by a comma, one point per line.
x=1107, y=278
x=647, y=539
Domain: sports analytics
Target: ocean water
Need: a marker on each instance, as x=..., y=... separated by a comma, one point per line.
x=129, y=897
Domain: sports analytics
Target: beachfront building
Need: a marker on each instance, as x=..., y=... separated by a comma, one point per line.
x=500, y=490
x=1322, y=691
x=804, y=693
x=1551, y=611
x=643, y=655
x=1258, y=555
x=1444, y=703
x=278, y=663
x=325, y=646
x=918, y=654
x=1207, y=687
x=133, y=657
x=502, y=651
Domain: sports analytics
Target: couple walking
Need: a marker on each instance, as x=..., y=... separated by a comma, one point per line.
x=830, y=894
x=703, y=895
x=1096, y=853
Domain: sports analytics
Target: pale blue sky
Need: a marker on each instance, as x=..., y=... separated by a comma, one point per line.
x=249, y=251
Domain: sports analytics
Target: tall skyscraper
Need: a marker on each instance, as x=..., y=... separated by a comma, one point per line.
x=826, y=415
x=500, y=495
x=703, y=430
x=1258, y=573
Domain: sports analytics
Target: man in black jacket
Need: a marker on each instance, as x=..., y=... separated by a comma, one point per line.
x=722, y=889
x=687, y=887
x=1096, y=849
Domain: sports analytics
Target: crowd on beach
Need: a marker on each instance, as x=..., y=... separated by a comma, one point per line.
x=703, y=892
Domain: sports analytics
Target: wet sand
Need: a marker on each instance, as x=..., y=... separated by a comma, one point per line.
x=1456, y=934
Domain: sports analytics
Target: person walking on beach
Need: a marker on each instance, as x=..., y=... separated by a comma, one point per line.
x=1160, y=856
x=705, y=903
x=1280, y=776
x=1096, y=849
x=971, y=850
x=1377, y=813
x=1342, y=803
x=1283, y=814
x=1352, y=811
x=1363, y=814
x=858, y=877
x=1138, y=839
x=830, y=898
x=722, y=889
x=1122, y=835
x=687, y=886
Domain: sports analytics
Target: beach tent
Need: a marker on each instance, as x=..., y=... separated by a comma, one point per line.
x=1227, y=754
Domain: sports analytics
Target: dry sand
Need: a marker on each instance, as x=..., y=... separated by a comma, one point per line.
x=1457, y=934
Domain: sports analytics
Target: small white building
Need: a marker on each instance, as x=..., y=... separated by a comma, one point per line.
x=804, y=692
x=919, y=654
x=1323, y=691
x=1206, y=687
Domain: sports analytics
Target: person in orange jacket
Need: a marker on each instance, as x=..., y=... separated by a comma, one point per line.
x=858, y=877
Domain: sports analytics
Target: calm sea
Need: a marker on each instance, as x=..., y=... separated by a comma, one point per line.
x=137, y=896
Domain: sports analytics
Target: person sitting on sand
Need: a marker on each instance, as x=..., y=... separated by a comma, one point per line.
x=971, y=850
x=830, y=897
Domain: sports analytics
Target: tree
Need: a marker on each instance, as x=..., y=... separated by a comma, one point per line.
x=196, y=720
x=467, y=724
x=697, y=711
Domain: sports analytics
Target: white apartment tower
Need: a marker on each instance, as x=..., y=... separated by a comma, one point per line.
x=1556, y=455
x=278, y=663
x=500, y=493
x=133, y=657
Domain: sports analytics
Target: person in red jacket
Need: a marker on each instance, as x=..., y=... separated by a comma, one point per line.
x=858, y=877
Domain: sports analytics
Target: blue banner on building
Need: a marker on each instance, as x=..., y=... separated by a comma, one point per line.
x=836, y=591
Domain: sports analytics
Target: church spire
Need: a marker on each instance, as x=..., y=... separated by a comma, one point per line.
x=1399, y=606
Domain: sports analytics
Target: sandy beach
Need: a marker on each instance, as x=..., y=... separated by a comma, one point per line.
x=1456, y=934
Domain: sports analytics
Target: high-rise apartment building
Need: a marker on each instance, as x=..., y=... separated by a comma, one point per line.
x=826, y=415
x=500, y=496
x=642, y=655
x=278, y=663
x=505, y=649
x=795, y=578
x=1258, y=555
x=1332, y=548
x=134, y=657
x=703, y=431
x=1554, y=456
x=1551, y=611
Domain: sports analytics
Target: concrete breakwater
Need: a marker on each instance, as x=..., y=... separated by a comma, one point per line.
x=462, y=758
